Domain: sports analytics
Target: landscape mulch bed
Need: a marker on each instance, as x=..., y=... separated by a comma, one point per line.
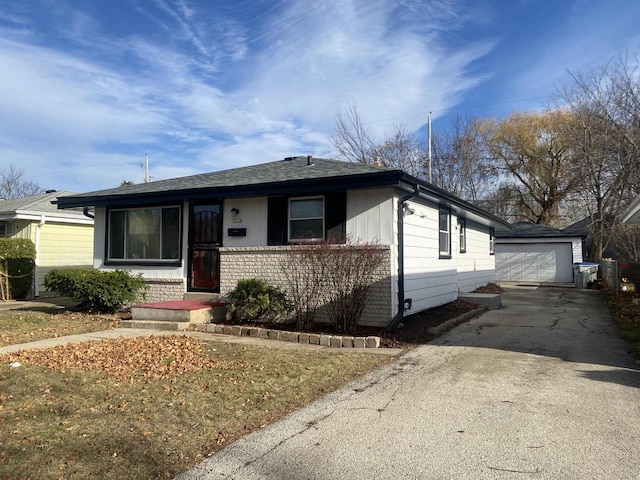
x=413, y=330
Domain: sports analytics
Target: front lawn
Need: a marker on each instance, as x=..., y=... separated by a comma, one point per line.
x=21, y=326
x=151, y=407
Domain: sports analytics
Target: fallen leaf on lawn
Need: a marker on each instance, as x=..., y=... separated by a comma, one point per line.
x=124, y=358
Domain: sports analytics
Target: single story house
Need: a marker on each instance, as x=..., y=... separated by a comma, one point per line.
x=632, y=213
x=533, y=253
x=63, y=238
x=205, y=232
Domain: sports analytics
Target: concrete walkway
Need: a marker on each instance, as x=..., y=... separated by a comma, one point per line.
x=540, y=389
x=207, y=337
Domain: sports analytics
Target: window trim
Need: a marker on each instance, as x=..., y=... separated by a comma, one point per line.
x=289, y=219
x=143, y=261
x=462, y=225
x=444, y=253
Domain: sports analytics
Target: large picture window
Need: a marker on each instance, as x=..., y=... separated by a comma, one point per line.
x=144, y=234
x=306, y=219
x=444, y=237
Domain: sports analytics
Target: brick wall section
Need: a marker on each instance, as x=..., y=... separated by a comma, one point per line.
x=162, y=289
x=238, y=263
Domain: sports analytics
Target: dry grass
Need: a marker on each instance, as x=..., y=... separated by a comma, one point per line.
x=154, y=408
x=21, y=326
x=626, y=315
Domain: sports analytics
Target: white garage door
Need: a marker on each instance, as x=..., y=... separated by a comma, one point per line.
x=534, y=262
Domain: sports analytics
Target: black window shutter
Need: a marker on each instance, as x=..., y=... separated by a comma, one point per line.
x=335, y=205
x=277, y=221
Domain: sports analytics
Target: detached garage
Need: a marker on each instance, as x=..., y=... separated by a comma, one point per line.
x=533, y=253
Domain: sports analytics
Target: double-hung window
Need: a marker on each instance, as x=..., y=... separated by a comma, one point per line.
x=306, y=219
x=144, y=234
x=444, y=237
x=462, y=225
x=492, y=241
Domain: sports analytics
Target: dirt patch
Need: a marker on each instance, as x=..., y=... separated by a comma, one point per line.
x=489, y=288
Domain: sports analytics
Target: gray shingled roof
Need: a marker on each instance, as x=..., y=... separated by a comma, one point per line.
x=293, y=176
x=37, y=204
x=528, y=230
x=288, y=170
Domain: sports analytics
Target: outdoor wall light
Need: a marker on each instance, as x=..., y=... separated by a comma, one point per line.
x=235, y=211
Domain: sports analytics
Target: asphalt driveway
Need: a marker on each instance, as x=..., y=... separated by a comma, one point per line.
x=542, y=389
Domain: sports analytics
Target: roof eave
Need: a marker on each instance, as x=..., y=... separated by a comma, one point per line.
x=289, y=187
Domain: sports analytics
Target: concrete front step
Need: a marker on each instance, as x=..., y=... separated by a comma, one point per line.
x=187, y=311
x=492, y=301
x=203, y=296
x=155, y=325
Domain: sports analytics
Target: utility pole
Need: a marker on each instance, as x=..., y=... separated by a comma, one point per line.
x=429, y=143
x=146, y=168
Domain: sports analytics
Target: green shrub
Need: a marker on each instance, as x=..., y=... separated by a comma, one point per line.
x=254, y=300
x=18, y=257
x=104, y=292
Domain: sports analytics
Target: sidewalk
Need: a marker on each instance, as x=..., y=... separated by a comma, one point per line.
x=54, y=304
x=206, y=337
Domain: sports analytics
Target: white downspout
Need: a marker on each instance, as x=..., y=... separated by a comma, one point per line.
x=36, y=288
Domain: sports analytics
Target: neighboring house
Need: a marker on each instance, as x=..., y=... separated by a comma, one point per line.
x=63, y=238
x=632, y=213
x=205, y=232
x=533, y=253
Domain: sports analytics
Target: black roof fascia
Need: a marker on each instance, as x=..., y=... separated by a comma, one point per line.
x=437, y=195
x=290, y=187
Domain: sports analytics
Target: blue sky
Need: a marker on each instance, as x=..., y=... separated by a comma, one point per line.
x=88, y=88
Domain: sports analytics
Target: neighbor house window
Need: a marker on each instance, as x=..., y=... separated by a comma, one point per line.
x=492, y=241
x=306, y=219
x=462, y=224
x=3, y=229
x=444, y=233
x=144, y=234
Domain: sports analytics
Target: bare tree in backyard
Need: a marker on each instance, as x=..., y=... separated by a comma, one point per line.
x=351, y=139
x=460, y=162
x=13, y=184
x=606, y=103
x=401, y=150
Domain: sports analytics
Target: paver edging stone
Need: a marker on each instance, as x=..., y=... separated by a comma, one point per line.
x=335, y=341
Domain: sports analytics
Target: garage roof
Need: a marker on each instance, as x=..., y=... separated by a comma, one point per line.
x=526, y=229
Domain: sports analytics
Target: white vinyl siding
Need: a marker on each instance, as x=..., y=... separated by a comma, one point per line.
x=429, y=280
x=476, y=267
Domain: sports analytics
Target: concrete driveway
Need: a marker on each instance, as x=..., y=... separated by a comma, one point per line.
x=542, y=389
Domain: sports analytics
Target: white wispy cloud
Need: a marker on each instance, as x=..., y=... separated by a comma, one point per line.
x=211, y=85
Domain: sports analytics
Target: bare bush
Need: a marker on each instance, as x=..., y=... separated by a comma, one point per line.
x=338, y=276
